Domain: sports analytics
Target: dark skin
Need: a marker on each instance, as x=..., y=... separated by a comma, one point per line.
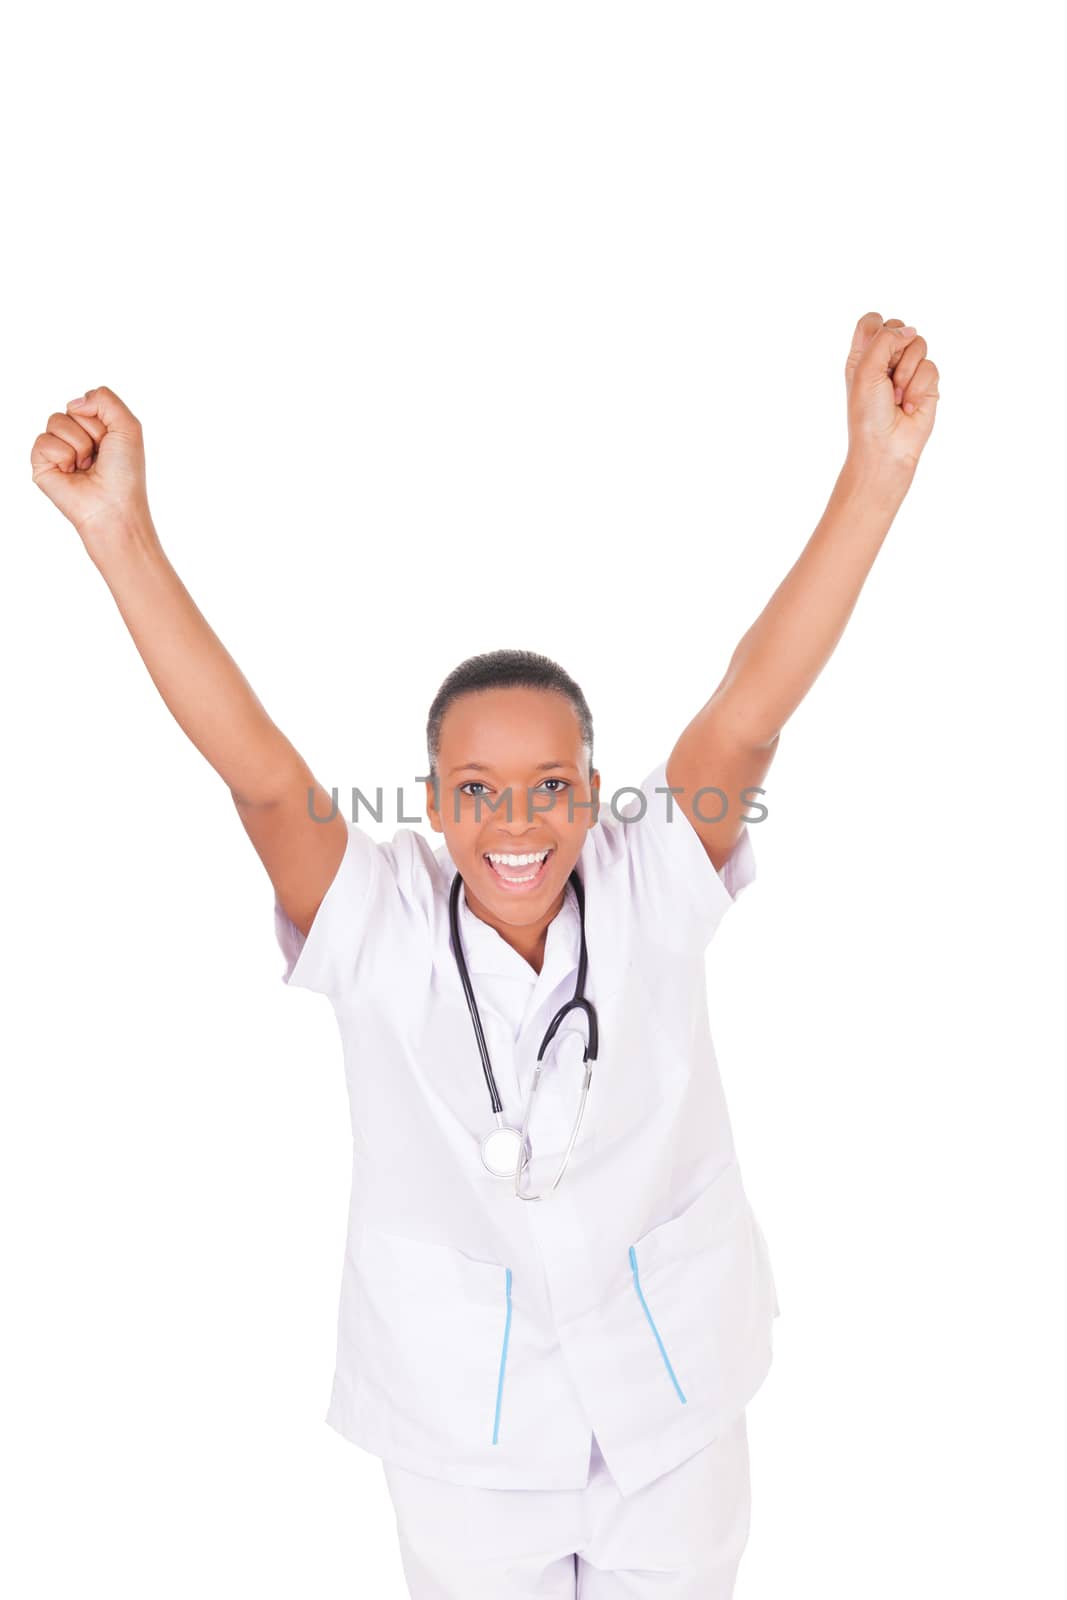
x=90, y=462
x=528, y=740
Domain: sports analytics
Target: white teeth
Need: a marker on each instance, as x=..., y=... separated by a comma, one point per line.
x=508, y=865
x=517, y=861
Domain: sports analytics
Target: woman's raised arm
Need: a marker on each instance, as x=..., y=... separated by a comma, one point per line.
x=90, y=462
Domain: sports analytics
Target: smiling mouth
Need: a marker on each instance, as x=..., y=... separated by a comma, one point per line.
x=521, y=874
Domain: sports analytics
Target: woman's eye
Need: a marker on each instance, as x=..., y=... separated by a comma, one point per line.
x=476, y=783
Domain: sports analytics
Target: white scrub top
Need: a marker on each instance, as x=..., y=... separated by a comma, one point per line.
x=483, y=1338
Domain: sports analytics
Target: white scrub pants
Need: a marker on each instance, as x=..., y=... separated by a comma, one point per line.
x=680, y=1536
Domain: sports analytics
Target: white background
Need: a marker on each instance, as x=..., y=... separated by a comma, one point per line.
x=408, y=298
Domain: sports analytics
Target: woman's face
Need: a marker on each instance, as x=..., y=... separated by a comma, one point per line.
x=514, y=781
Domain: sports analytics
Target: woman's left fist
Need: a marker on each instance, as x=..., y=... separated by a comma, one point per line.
x=892, y=394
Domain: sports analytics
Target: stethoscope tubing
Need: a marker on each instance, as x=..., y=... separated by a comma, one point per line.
x=578, y=1001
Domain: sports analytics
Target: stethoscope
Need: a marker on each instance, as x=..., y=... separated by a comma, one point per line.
x=505, y=1149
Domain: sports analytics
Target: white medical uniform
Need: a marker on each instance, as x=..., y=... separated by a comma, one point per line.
x=483, y=1339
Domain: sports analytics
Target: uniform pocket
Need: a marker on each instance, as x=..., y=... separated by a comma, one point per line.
x=435, y=1326
x=700, y=1282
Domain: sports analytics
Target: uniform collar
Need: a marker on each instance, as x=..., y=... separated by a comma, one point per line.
x=487, y=950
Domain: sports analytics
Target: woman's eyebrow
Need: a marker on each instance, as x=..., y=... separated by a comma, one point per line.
x=477, y=766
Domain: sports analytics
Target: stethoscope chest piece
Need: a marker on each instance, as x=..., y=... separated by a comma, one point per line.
x=500, y=1151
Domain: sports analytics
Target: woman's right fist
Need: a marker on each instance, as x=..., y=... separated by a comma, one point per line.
x=90, y=463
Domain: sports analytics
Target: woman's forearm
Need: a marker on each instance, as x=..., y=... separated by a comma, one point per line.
x=203, y=687
x=782, y=654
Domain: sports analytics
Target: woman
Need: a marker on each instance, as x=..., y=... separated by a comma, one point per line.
x=557, y=1300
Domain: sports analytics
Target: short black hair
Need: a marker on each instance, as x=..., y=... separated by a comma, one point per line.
x=506, y=669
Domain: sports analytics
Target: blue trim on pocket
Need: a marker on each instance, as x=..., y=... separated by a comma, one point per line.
x=503, y=1357
x=652, y=1325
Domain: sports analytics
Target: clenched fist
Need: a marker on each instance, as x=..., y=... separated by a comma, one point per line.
x=90, y=463
x=892, y=393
